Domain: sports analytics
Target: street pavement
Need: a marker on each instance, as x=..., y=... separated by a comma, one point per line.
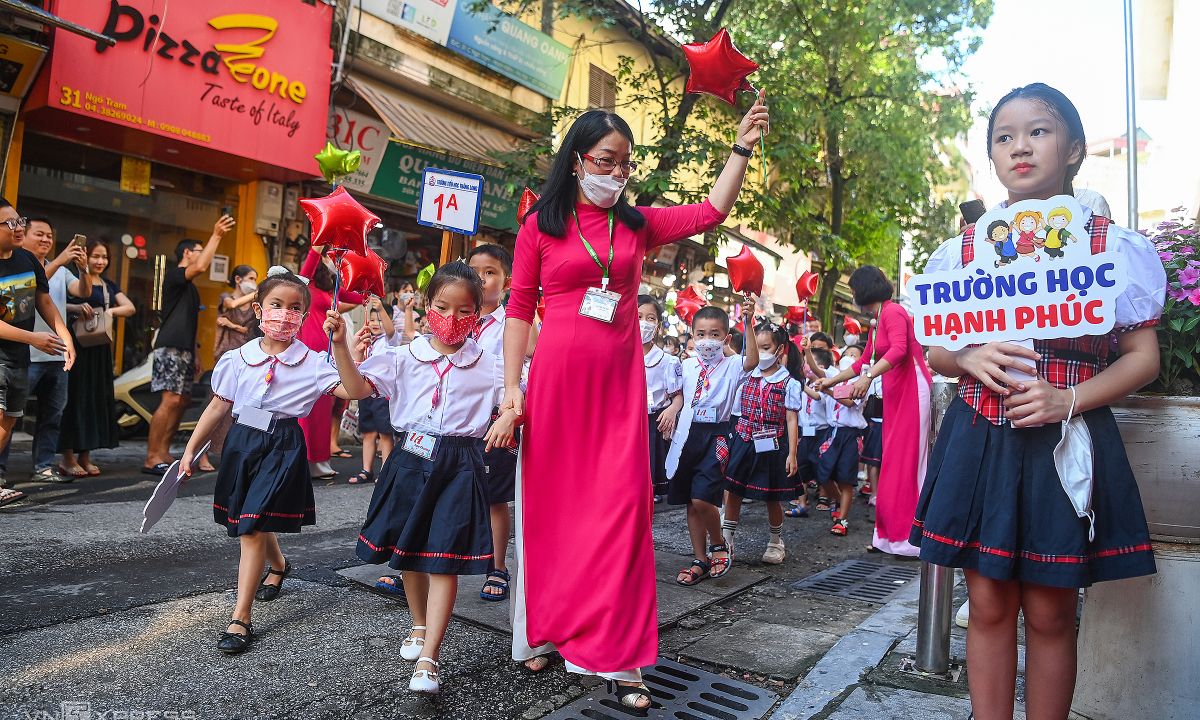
x=97, y=613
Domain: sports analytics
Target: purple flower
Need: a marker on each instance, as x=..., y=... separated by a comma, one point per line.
x=1187, y=250
x=1177, y=294
x=1189, y=276
x=1189, y=232
x=1194, y=296
x=1166, y=256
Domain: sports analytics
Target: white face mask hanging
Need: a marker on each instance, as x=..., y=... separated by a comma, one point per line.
x=603, y=190
x=1074, y=462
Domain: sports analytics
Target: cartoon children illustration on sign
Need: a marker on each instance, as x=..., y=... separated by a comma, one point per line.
x=999, y=236
x=1057, y=233
x=1027, y=224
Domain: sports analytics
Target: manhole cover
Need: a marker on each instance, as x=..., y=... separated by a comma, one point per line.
x=860, y=580
x=684, y=692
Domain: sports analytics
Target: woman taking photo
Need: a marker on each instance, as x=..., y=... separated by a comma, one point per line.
x=584, y=505
x=235, y=315
x=893, y=353
x=90, y=419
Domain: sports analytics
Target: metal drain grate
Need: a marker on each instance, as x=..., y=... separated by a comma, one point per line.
x=684, y=692
x=860, y=580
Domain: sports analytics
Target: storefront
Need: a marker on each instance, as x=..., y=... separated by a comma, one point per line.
x=212, y=107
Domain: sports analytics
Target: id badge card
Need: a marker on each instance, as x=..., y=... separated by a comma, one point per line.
x=808, y=430
x=705, y=415
x=256, y=418
x=765, y=441
x=650, y=400
x=422, y=445
x=600, y=304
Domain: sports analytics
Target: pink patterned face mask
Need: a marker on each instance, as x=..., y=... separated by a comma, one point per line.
x=281, y=324
x=450, y=330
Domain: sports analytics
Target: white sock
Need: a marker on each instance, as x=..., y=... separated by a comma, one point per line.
x=777, y=534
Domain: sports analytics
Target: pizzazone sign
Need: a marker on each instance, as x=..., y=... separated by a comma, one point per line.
x=1033, y=276
x=249, y=79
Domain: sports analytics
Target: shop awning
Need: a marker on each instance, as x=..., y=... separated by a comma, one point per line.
x=40, y=15
x=419, y=126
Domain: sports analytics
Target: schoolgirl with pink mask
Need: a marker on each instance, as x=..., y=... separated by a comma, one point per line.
x=263, y=485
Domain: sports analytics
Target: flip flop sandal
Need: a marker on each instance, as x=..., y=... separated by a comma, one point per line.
x=92, y=470
x=496, y=579
x=341, y=454
x=10, y=496
x=720, y=566
x=696, y=572
x=80, y=472
x=158, y=469
x=396, y=587
x=530, y=671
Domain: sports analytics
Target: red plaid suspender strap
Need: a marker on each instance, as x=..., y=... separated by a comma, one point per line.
x=762, y=409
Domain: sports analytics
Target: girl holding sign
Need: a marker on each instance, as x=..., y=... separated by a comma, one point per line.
x=993, y=502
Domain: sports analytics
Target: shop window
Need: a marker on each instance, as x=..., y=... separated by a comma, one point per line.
x=602, y=89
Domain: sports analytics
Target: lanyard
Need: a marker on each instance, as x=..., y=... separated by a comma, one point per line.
x=595, y=257
x=702, y=382
x=764, y=389
x=480, y=330
x=437, y=391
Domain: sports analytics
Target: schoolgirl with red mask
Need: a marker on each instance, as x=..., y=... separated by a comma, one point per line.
x=263, y=485
x=429, y=515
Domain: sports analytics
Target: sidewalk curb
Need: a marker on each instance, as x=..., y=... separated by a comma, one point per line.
x=856, y=654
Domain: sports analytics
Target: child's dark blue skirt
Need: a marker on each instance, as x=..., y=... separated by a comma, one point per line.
x=759, y=475
x=872, y=451
x=992, y=502
x=263, y=482
x=659, y=447
x=375, y=416
x=430, y=515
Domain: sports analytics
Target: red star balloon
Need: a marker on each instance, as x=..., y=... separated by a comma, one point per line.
x=541, y=308
x=796, y=314
x=339, y=221
x=745, y=272
x=806, y=286
x=528, y=198
x=717, y=68
x=851, y=326
x=363, y=273
x=687, y=303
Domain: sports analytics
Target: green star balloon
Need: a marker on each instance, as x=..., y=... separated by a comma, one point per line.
x=335, y=163
x=425, y=276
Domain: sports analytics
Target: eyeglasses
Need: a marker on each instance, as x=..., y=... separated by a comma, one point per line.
x=607, y=165
x=15, y=223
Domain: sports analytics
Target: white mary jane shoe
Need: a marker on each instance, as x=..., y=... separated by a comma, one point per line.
x=425, y=681
x=774, y=554
x=412, y=646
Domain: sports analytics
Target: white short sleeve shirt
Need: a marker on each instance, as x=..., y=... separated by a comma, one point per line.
x=664, y=378
x=298, y=378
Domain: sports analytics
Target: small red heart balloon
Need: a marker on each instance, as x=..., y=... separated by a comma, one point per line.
x=806, y=286
x=795, y=313
x=745, y=272
x=363, y=273
x=717, y=68
x=528, y=198
x=851, y=325
x=339, y=221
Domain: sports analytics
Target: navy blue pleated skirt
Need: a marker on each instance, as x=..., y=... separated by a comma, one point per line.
x=759, y=475
x=808, y=454
x=659, y=447
x=430, y=515
x=992, y=502
x=263, y=482
x=872, y=450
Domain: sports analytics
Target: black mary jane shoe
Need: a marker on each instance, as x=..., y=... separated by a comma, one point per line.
x=233, y=643
x=266, y=592
x=628, y=696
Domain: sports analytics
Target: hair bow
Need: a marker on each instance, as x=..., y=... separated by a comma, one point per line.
x=277, y=270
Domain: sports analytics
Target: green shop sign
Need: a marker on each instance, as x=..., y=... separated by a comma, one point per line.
x=399, y=178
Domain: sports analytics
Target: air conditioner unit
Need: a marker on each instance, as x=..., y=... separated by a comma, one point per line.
x=268, y=207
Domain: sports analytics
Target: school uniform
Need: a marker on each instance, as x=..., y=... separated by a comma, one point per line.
x=814, y=431
x=992, y=499
x=664, y=380
x=499, y=464
x=755, y=470
x=840, y=452
x=375, y=413
x=872, y=450
x=263, y=483
x=700, y=446
x=431, y=514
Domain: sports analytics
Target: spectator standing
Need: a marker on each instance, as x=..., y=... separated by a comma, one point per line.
x=23, y=281
x=90, y=419
x=235, y=327
x=47, y=379
x=175, y=360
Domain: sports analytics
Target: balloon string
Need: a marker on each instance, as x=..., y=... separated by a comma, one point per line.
x=339, y=256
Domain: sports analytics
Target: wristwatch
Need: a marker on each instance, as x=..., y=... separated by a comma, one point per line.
x=743, y=151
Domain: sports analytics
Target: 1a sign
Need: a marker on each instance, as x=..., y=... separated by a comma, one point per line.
x=450, y=200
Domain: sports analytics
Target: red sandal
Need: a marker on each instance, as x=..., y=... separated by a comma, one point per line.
x=840, y=527
x=695, y=573
x=720, y=566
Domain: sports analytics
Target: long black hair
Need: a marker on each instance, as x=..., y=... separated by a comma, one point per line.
x=1061, y=107
x=561, y=188
x=795, y=361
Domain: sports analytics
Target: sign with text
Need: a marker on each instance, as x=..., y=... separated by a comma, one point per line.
x=249, y=79
x=503, y=43
x=1033, y=276
x=351, y=131
x=403, y=167
x=428, y=18
x=450, y=200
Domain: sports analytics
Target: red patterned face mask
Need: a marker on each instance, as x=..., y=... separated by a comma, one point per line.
x=281, y=324
x=450, y=330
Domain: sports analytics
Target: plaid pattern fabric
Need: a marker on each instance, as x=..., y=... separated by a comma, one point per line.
x=761, y=413
x=722, y=451
x=1065, y=361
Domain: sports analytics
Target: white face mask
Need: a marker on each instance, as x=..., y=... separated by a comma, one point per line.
x=603, y=190
x=850, y=339
x=710, y=351
x=248, y=287
x=648, y=330
x=846, y=362
x=766, y=361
